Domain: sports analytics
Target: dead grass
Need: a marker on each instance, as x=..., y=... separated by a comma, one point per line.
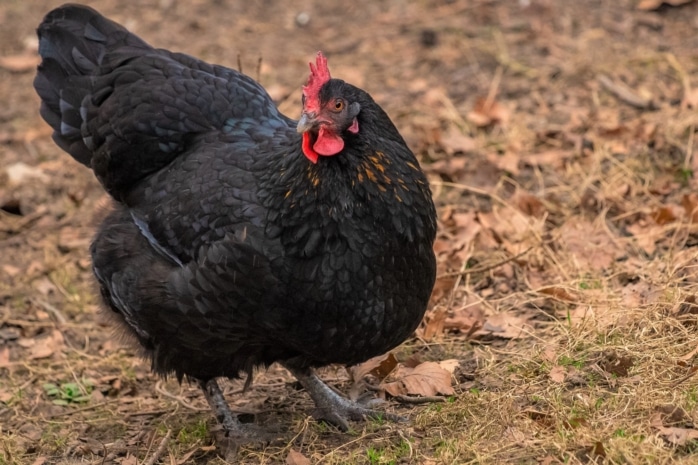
x=567, y=248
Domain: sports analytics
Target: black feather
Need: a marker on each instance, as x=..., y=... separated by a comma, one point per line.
x=227, y=248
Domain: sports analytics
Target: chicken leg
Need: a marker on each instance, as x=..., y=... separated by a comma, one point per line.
x=333, y=408
x=232, y=427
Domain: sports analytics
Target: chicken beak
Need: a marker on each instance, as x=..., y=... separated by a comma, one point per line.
x=306, y=123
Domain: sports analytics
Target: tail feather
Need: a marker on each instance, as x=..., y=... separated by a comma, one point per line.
x=73, y=43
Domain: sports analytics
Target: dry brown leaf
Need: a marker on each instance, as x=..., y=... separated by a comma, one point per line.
x=646, y=235
x=455, y=141
x=648, y=5
x=465, y=320
x=528, y=204
x=616, y=364
x=509, y=161
x=505, y=325
x=380, y=367
x=558, y=374
x=296, y=458
x=129, y=460
x=550, y=158
x=589, y=244
x=689, y=202
x=488, y=112
x=600, y=316
x=559, y=293
x=690, y=100
x=20, y=63
x=665, y=215
x=4, y=356
x=46, y=346
x=670, y=421
x=433, y=324
x=426, y=379
x=640, y=293
x=449, y=365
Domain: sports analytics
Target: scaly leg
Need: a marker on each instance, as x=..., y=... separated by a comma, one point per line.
x=332, y=407
x=220, y=408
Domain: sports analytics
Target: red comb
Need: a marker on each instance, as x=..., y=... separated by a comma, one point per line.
x=319, y=75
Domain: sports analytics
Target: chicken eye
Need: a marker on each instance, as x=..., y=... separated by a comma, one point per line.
x=338, y=105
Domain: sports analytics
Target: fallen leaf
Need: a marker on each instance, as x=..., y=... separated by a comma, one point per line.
x=20, y=172
x=528, y=204
x=542, y=418
x=649, y=5
x=41, y=460
x=45, y=286
x=589, y=244
x=128, y=460
x=639, y=294
x=6, y=395
x=455, y=141
x=4, y=356
x=433, y=324
x=664, y=215
x=449, y=365
x=505, y=325
x=487, y=112
x=665, y=420
x=515, y=434
x=426, y=379
x=616, y=364
x=646, y=235
x=466, y=319
x=690, y=204
x=380, y=367
x=559, y=293
x=46, y=346
x=550, y=158
x=296, y=458
x=558, y=374
x=508, y=161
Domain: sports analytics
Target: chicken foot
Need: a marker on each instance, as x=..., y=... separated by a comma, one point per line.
x=333, y=408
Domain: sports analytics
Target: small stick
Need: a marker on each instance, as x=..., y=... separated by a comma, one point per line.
x=480, y=269
x=625, y=94
x=160, y=450
x=420, y=400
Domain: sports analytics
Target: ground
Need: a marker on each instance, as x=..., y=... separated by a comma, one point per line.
x=559, y=141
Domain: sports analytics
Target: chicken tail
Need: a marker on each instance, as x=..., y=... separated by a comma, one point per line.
x=73, y=43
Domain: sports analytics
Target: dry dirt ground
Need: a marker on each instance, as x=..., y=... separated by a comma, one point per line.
x=560, y=141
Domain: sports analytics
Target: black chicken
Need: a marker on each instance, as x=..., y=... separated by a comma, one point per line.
x=240, y=237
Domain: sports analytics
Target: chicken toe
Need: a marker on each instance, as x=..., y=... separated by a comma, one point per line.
x=333, y=408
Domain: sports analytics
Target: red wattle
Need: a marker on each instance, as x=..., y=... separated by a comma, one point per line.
x=308, y=151
x=328, y=143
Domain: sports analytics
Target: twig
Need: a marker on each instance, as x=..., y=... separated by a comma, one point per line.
x=420, y=400
x=148, y=412
x=480, y=269
x=625, y=94
x=159, y=388
x=160, y=450
x=83, y=409
x=691, y=372
x=683, y=75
